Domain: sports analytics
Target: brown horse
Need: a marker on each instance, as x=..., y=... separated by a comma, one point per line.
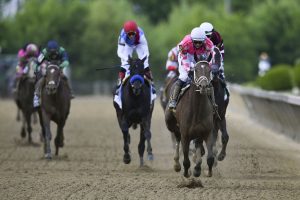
x=24, y=96
x=55, y=106
x=193, y=120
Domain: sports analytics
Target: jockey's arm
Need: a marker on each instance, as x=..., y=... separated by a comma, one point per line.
x=183, y=59
x=142, y=50
x=64, y=59
x=42, y=56
x=122, y=54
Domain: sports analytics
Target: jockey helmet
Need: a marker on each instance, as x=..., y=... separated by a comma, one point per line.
x=53, y=49
x=32, y=50
x=130, y=26
x=52, y=45
x=207, y=28
x=21, y=53
x=198, y=35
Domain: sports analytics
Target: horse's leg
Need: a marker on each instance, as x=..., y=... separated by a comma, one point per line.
x=197, y=169
x=29, y=128
x=35, y=119
x=18, y=115
x=147, y=134
x=141, y=146
x=210, y=156
x=173, y=138
x=43, y=132
x=214, y=137
x=126, y=138
x=185, y=142
x=47, y=136
x=23, y=129
x=177, y=166
x=225, y=138
x=59, y=139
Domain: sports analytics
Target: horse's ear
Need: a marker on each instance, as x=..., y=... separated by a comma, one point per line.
x=143, y=60
x=129, y=58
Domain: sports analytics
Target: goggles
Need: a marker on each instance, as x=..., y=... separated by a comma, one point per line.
x=131, y=33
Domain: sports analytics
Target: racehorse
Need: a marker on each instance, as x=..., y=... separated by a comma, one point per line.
x=24, y=97
x=136, y=108
x=193, y=120
x=222, y=100
x=55, y=106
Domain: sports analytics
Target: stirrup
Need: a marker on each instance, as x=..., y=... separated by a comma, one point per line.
x=172, y=105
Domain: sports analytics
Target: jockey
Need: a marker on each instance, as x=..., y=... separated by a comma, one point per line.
x=53, y=53
x=172, y=62
x=195, y=44
x=24, y=54
x=132, y=38
x=216, y=38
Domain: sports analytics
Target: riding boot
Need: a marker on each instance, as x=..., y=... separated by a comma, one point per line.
x=120, y=80
x=37, y=92
x=16, y=86
x=175, y=94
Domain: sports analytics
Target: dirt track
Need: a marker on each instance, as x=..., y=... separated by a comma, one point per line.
x=259, y=163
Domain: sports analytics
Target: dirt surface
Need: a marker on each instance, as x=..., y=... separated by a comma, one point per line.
x=259, y=164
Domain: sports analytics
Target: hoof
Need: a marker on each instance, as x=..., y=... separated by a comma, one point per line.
x=209, y=174
x=197, y=172
x=48, y=156
x=23, y=133
x=126, y=158
x=187, y=174
x=221, y=156
x=177, y=167
x=141, y=163
x=150, y=157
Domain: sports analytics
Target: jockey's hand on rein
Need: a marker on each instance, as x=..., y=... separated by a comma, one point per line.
x=215, y=69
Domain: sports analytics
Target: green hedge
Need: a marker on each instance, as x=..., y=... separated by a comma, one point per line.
x=296, y=75
x=277, y=79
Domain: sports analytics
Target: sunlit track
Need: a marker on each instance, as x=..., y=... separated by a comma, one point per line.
x=259, y=163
